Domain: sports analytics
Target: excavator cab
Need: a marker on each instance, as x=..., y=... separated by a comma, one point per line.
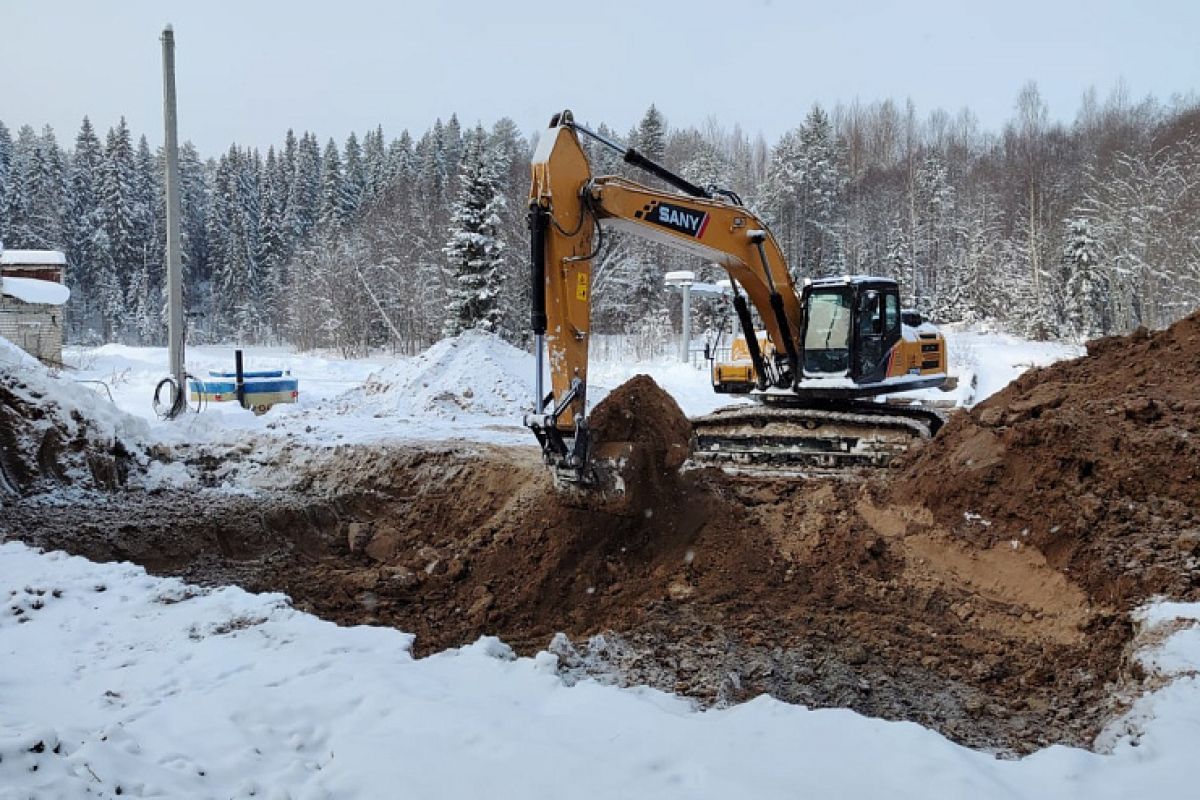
x=829, y=312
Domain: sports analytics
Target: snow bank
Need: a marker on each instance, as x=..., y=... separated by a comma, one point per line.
x=474, y=387
x=13, y=358
x=66, y=401
x=59, y=433
x=110, y=678
x=474, y=373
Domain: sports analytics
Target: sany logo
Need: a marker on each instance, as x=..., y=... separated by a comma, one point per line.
x=681, y=219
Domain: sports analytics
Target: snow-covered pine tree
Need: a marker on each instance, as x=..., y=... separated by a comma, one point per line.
x=271, y=254
x=6, y=147
x=401, y=160
x=453, y=147
x=195, y=196
x=1086, y=303
x=707, y=166
x=375, y=164
x=45, y=191
x=779, y=201
x=821, y=194
x=651, y=137
x=511, y=161
x=16, y=211
x=933, y=236
x=646, y=296
x=304, y=191
x=82, y=224
x=119, y=206
x=354, y=176
x=336, y=206
x=474, y=251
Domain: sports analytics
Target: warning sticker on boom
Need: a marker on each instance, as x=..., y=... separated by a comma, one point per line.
x=581, y=288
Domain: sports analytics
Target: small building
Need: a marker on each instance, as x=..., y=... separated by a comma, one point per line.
x=32, y=295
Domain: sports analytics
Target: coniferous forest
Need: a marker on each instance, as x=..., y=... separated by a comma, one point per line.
x=1048, y=229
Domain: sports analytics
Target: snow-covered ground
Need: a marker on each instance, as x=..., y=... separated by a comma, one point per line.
x=114, y=682
x=474, y=387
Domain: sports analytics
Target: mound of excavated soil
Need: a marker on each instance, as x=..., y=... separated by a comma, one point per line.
x=640, y=439
x=1095, y=462
x=45, y=445
x=640, y=411
x=719, y=589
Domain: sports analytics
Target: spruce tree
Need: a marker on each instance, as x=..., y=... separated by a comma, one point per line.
x=83, y=223
x=354, y=177
x=118, y=202
x=6, y=147
x=335, y=202
x=1086, y=302
x=474, y=251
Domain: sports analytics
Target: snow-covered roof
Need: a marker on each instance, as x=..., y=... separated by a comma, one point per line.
x=26, y=257
x=32, y=290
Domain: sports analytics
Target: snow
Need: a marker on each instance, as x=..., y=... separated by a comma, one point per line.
x=474, y=387
x=31, y=257
x=13, y=358
x=33, y=290
x=111, y=678
x=71, y=401
x=474, y=373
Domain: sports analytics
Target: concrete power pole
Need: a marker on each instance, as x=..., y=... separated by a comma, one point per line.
x=175, y=332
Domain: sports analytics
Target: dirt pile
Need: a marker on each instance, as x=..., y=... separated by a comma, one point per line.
x=640, y=411
x=44, y=447
x=1094, y=462
x=722, y=590
x=640, y=439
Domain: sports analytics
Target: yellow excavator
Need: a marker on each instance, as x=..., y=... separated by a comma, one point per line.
x=824, y=348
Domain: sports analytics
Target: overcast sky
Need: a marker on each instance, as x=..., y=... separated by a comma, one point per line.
x=248, y=70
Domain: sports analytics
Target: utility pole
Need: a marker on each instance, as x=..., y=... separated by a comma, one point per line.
x=175, y=332
x=683, y=280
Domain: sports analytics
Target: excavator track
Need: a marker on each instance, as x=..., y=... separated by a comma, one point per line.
x=785, y=441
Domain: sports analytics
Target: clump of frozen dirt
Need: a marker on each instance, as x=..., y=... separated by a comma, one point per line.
x=54, y=434
x=1094, y=462
x=640, y=438
x=473, y=373
x=640, y=411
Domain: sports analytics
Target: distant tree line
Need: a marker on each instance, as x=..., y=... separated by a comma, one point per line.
x=1044, y=228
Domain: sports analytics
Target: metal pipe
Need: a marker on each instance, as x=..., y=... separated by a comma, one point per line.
x=538, y=222
x=776, y=299
x=175, y=332
x=539, y=389
x=687, y=323
x=240, y=385
x=756, y=358
x=632, y=156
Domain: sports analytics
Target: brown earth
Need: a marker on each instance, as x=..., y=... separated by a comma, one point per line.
x=979, y=589
x=1094, y=463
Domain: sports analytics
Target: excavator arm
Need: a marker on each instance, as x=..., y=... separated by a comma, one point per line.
x=569, y=210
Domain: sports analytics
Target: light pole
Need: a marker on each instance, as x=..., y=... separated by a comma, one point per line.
x=175, y=334
x=683, y=280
